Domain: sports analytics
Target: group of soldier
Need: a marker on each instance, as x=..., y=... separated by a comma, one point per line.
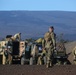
x=48, y=47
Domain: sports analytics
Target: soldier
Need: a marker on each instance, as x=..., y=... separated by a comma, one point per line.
x=6, y=55
x=34, y=53
x=42, y=56
x=9, y=51
x=74, y=54
x=9, y=55
x=49, y=43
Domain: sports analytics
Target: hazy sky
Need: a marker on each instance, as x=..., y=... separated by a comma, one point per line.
x=64, y=5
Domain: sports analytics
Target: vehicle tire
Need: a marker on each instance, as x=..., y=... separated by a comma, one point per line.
x=22, y=61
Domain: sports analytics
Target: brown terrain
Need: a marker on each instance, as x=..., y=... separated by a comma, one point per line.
x=42, y=70
x=37, y=70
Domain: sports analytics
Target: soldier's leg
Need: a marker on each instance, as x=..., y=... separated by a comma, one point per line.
x=48, y=58
x=6, y=59
x=47, y=63
x=31, y=60
x=45, y=60
x=10, y=59
x=39, y=61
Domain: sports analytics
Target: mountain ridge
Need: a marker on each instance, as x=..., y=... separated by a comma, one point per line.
x=36, y=23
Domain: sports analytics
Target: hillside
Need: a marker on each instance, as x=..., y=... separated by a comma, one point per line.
x=36, y=23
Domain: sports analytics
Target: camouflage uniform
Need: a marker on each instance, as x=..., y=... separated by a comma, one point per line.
x=9, y=56
x=49, y=43
x=42, y=56
x=9, y=50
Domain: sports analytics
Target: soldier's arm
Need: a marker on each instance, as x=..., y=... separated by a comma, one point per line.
x=43, y=43
x=53, y=36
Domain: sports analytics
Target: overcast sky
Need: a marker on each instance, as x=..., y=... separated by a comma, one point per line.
x=61, y=5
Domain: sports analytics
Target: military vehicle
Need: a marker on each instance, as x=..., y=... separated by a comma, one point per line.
x=28, y=57
x=17, y=48
x=15, y=52
x=2, y=48
x=60, y=56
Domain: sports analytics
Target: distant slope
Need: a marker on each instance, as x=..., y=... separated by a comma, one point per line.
x=36, y=23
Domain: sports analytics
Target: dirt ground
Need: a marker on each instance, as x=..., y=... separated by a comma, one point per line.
x=37, y=70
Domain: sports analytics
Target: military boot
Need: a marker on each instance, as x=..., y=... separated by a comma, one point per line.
x=47, y=65
x=50, y=64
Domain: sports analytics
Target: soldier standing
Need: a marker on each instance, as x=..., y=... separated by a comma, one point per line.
x=49, y=43
x=9, y=49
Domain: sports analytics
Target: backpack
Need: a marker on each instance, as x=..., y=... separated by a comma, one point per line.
x=47, y=36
